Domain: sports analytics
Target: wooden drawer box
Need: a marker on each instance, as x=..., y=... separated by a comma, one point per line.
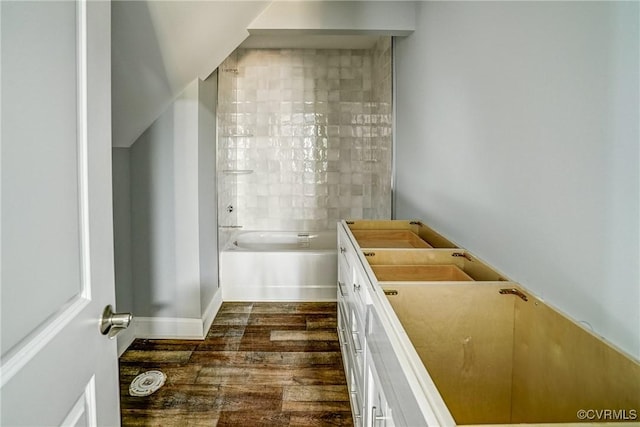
x=498, y=359
x=396, y=234
x=429, y=265
x=428, y=273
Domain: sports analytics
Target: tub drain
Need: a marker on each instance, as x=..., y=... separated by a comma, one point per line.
x=147, y=383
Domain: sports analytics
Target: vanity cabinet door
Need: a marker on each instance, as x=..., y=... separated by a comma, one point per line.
x=361, y=288
x=377, y=411
x=350, y=327
x=344, y=277
x=356, y=398
x=342, y=337
x=390, y=391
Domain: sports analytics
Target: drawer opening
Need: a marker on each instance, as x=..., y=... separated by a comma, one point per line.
x=396, y=234
x=389, y=239
x=429, y=265
x=402, y=273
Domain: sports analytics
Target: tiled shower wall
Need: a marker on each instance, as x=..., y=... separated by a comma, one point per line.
x=304, y=137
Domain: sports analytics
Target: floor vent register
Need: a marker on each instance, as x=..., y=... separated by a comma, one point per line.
x=147, y=383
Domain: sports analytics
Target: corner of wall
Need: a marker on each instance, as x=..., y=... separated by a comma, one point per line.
x=170, y=327
x=212, y=309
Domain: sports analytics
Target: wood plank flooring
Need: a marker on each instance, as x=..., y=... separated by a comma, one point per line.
x=262, y=364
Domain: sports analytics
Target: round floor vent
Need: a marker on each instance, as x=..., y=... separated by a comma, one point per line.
x=147, y=383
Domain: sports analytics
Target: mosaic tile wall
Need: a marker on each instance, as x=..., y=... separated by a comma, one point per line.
x=304, y=137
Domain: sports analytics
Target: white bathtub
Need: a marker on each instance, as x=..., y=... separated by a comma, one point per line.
x=279, y=266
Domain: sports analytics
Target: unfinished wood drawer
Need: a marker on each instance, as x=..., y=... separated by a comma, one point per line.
x=420, y=265
x=497, y=358
x=396, y=234
x=389, y=239
x=425, y=273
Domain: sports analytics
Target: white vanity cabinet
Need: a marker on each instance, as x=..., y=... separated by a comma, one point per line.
x=433, y=336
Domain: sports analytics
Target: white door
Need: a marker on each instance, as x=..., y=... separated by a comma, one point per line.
x=57, y=244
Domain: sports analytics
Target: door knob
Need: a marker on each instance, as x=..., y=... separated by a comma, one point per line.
x=112, y=323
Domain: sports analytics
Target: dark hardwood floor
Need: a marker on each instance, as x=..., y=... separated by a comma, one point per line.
x=262, y=364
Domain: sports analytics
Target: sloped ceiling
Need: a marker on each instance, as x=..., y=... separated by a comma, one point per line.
x=159, y=47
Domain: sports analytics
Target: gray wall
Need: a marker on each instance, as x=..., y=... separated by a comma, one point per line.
x=173, y=209
x=153, y=219
x=517, y=136
x=122, y=229
x=208, y=216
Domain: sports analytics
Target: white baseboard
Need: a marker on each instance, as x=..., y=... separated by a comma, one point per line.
x=280, y=293
x=170, y=327
x=211, y=311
